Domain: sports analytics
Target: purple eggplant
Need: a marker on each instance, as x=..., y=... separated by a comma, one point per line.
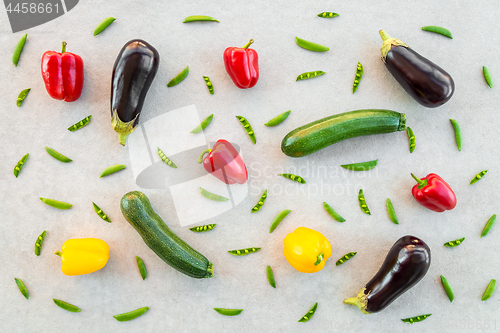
x=426, y=82
x=405, y=264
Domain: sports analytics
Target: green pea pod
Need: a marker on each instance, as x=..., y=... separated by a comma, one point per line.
x=82, y=123
x=210, y=86
x=357, y=77
x=309, y=75
x=165, y=159
x=142, y=267
x=103, y=25
x=309, y=314
x=203, y=228
x=416, y=319
x=345, y=257
x=293, y=177
x=411, y=139
x=20, y=164
x=454, y=243
x=39, y=242
x=278, y=119
x=178, y=79
x=489, y=290
x=327, y=14
x=19, y=48
x=487, y=77
x=458, y=133
x=131, y=315
x=362, y=202
x=488, y=225
x=228, y=312
x=277, y=220
x=478, y=177
x=112, y=169
x=195, y=18
x=58, y=156
x=363, y=166
x=270, y=276
x=101, y=214
x=333, y=213
x=310, y=45
x=244, y=252
x=259, y=204
x=438, y=30
x=447, y=288
x=22, y=288
x=391, y=212
x=66, y=306
x=203, y=124
x=22, y=96
x=56, y=203
x=248, y=128
x=212, y=196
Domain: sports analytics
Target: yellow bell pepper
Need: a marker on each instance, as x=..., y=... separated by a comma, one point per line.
x=307, y=250
x=83, y=255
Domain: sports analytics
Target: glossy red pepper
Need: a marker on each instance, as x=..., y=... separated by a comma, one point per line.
x=242, y=65
x=434, y=193
x=63, y=74
x=224, y=162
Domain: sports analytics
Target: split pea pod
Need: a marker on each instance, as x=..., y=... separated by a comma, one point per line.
x=327, y=14
x=82, y=123
x=345, y=257
x=178, y=79
x=261, y=202
x=488, y=225
x=210, y=86
x=309, y=314
x=39, y=242
x=142, y=268
x=22, y=288
x=131, y=315
x=248, y=128
x=103, y=25
x=58, y=156
x=244, y=252
x=22, y=96
x=490, y=289
x=66, y=306
x=454, y=243
x=487, y=77
x=270, y=276
x=447, y=288
x=293, y=177
x=357, y=77
x=391, y=211
x=112, y=169
x=195, y=18
x=19, y=48
x=416, y=319
x=438, y=30
x=309, y=75
x=101, y=214
x=363, y=166
x=478, y=177
x=458, y=133
x=310, y=45
x=203, y=228
x=411, y=139
x=56, y=203
x=165, y=159
x=228, y=312
x=278, y=119
x=333, y=213
x=277, y=220
x=20, y=164
x=362, y=202
x=212, y=196
x=203, y=124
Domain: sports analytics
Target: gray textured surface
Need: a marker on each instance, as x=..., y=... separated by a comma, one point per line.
x=181, y=304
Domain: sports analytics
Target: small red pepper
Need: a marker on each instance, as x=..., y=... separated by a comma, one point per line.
x=224, y=162
x=242, y=65
x=63, y=74
x=434, y=193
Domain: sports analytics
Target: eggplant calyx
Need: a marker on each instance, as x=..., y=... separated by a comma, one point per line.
x=122, y=128
x=388, y=43
x=360, y=301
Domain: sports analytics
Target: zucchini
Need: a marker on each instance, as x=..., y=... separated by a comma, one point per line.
x=137, y=210
x=322, y=133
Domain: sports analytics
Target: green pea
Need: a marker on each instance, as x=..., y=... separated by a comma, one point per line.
x=228, y=312
x=411, y=139
x=277, y=220
x=66, y=306
x=259, y=204
x=447, y=288
x=478, y=177
x=103, y=25
x=345, y=257
x=178, y=79
x=101, y=214
x=490, y=289
x=203, y=124
x=195, y=18
x=362, y=202
x=22, y=96
x=309, y=75
x=454, y=243
x=212, y=196
x=131, y=315
x=22, y=288
x=20, y=165
x=203, y=228
x=58, y=156
x=333, y=213
x=270, y=276
x=56, y=203
x=487, y=77
x=458, y=133
x=391, y=212
x=84, y=122
x=328, y=14
x=210, y=86
x=248, y=128
x=416, y=319
x=244, y=252
x=310, y=45
x=165, y=159
x=488, y=225
x=112, y=169
x=278, y=119
x=363, y=166
x=309, y=314
x=142, y=267
x=39, y=242
x=293, y=177
x=357, y=77
x=19, y=48
x=438, y=30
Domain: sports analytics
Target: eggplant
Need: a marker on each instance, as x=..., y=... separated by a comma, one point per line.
x=134, y=70
x=405, y=264
x=426, y=82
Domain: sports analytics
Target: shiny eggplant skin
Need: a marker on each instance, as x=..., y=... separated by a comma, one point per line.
x=133, y=72
x=425, y=81
x=406, y=263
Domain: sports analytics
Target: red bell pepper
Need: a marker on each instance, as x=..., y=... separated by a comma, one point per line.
x=63, y=74
x=242, y=65
x=434, y=193
x=224, y=162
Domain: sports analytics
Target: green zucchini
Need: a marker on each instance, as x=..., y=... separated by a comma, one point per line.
x=322, y=133
x=137, y=210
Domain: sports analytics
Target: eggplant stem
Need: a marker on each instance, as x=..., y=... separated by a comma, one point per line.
x=360, y=301
x=384, y=35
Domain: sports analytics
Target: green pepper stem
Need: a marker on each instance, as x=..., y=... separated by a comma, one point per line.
x=421, y=183
x=250, y=42
x=64, y=46
x=384, y=35
x=320, y=259
x=58, y=253
x=206, y=151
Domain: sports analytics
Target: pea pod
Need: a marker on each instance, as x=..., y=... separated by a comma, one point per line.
x=244, y=252
x=363, y=166
x=112, y=169
x=487, y=77
x=447, y=288
x=362, y=202
x=195, y=18
x=327, y=14
x=345, y=257
x=66, y=306
x=458, y=133
x=309, y=75
x=203, y=228
x=165, y=159
x=411, y=139
x=333, y=213
x=454, y=243
x=210, y=86
x=22, y=96
x=438, y=30
x=391, y=211
x=179, y=78
x=142, y=268
x=22, y=288
x=39, y=242
x=278, y=119
x=488, y=225
x=478, y=177
x=416, y=319
x=357, y=77
x=310, y=45
x=277, y=220
x=203, y=124
x=101, y=214
x=19, y=48
x=228, y=312
x=20, y=165
x=248, y=128
x=212, y=196
x=131, y=315
x=259, y=204
x=82, y=123
x=293, y=177
x=58, y=156
x=103, y=25
x=490, y=289
x=309, y=314
x=270, y=276
x=56, y=203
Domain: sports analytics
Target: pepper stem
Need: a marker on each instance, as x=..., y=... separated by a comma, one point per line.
x=384, y=35
x=64, y=46
x=421, y=183
x=250, y=42
x=320, y=259
x=58, y=253
x=206, y=151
